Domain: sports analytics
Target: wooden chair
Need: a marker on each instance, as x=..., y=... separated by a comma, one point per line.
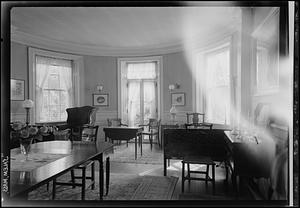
x=194, y=119
x=116, y=122
x=197, y=157
x=152, y=129
x=87, y=136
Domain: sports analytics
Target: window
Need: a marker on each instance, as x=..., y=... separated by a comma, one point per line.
x=213, y=79
x=54, y=89
x=139, y=89
x=53, y=84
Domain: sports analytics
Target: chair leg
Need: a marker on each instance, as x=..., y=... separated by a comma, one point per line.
x=189, y=174
x=54, y=189
x=150, y=138
x=48, y=186
x=213, y=178
x=83, y=184
x=107, y=174
x=73, y=178
x=182, y=177
x=93, y=175
x=207, y=174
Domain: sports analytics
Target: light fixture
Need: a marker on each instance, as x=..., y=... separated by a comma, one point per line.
x=27, y=104
x=99, y=87
x=173, y=86
x=173, y=112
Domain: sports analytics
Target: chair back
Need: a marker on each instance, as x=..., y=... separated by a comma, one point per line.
x=194, y=118
x=90, y=133
x=154, y=124
x=81, y=115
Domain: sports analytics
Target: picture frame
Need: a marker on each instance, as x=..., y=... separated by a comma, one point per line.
x=100, y=99
x=178, y=98
x=17, y=89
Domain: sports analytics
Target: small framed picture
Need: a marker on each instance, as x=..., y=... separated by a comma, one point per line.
x=100, y=99
x=17, y=89
x=178, y=98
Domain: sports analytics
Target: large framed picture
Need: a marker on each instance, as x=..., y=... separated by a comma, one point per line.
x=100, y=99
x=17, y=89
x=178, y=98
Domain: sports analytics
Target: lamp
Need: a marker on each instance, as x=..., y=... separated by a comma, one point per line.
x=27, y=104
x=173, y=112
x=99, y=87
x=174, y=86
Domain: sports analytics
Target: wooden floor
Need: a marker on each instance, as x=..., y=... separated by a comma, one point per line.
x=195, y=191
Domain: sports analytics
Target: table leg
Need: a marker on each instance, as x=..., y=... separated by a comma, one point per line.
x=141, y=140
x=101, y=178
x=107, y=174
x=165, y=167
x=135, y=148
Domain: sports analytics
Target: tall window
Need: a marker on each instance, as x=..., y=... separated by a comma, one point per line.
x=213, y=84
x=54, y=84
x=139, y=89
x=54, y=89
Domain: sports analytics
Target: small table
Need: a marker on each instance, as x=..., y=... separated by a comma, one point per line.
x=124, y=133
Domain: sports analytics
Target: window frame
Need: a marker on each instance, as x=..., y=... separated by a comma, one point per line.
x=76, y=68
x=199, y=61
x=122, y=65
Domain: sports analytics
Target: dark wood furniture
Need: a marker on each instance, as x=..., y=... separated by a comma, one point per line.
x=77, y=153
x=151, y=129
x=89, y=134
x=194, y=118
x=116, y=122
x=125, y=133
x=78, y=119
x=179, y=142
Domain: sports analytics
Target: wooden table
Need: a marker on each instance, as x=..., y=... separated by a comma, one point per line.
x=22, y=182
x=178, y=142
x=125, y=133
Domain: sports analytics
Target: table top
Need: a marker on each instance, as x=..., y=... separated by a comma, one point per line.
x=182, y=125
x=22, y=182
x=123, y=127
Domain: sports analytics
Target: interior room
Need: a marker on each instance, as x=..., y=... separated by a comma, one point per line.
x=182, y=103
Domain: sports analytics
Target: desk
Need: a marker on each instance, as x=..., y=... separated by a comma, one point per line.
x=125, y=133
x=178, y=142
x=22, y=182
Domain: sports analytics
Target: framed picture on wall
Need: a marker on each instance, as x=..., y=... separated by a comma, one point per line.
x=17, y=89
x=100, y=99
x=178, y=98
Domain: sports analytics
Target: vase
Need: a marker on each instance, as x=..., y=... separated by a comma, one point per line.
x=25, y=144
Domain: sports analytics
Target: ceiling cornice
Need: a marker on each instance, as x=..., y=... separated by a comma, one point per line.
x=40, y=42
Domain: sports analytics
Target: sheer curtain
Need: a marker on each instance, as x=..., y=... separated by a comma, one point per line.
x=133, y=103
x=217, y=105
x=54, y=90
x=141, y=79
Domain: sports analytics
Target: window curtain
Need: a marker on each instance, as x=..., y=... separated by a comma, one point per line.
x=133, y=103
x=44, y=67
x=141, y=70
x=149, y=101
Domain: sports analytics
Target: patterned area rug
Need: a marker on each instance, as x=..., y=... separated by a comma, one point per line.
x=122, y=187
x=124, y=154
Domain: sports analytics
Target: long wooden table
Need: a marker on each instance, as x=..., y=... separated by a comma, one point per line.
x=125, y=133
x=22, y=182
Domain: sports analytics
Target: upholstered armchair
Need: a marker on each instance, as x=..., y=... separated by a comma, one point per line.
x=78, y=119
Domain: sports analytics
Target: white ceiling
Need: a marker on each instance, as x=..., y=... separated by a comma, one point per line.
x=120, y=30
